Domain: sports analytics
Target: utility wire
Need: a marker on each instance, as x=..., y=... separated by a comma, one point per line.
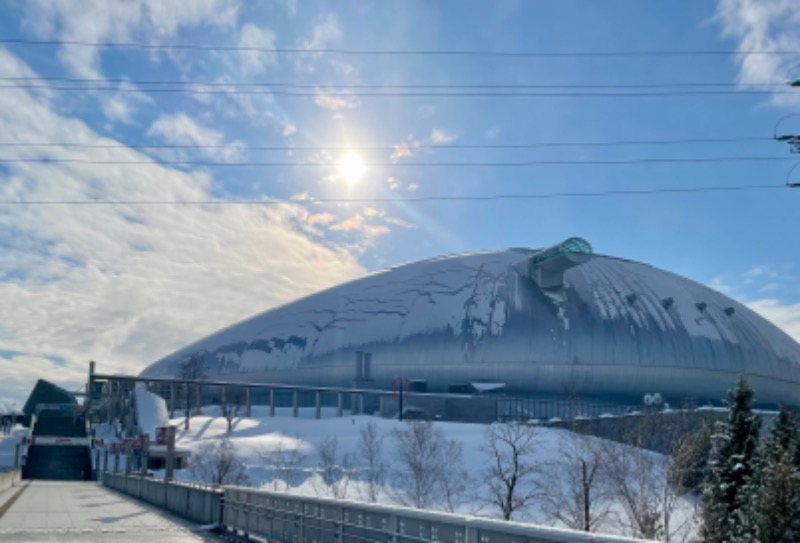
x=419, y=199
x=321, y=86
x=519, y=164
x=387, y=94
x=394, y=52
x=385, y=147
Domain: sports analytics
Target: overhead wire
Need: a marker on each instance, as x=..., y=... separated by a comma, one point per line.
x=390, y=147
x=391, y=52
x=283, y=84
x=387, y=94
x=517, y=164
x=418, y=199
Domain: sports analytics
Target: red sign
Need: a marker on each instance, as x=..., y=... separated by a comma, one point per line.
x=161, y=435
x=403, y=384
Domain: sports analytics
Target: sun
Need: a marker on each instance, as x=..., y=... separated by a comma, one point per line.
x=351, y=168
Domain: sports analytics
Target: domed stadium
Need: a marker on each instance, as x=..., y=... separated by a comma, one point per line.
x=550, y=322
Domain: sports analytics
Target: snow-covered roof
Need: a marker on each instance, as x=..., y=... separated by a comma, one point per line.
x=611, y=326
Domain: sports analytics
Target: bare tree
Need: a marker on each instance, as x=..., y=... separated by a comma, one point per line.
x=286, y=463
x=192, y=371
x=370, y=456
x=215, y=462
x=574, y=490
x=640, y=482
x=455, y=480
x=637, y=477
x=510, y=479
x=424, y=469
x=334, y=468
x=231, y=403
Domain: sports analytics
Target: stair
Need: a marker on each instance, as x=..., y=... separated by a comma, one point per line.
x=58, y=462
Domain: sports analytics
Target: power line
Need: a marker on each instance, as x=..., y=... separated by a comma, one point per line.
x=387, y=94
x=390, y=147
x=419, y=199
x=518, y=164
x=394, y=52
x=230, y=84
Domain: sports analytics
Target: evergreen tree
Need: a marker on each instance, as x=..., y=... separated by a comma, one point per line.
x=777, y=502
x=775, y=507
x=727, y=492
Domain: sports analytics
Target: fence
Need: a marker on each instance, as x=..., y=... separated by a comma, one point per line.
x=279, y=517
x=200, y=504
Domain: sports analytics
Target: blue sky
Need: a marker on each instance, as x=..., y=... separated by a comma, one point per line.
x=127, y=284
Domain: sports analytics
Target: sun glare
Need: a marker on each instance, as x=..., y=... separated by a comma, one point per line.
x=351, y=167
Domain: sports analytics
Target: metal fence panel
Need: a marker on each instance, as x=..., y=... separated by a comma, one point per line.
x=280, y=517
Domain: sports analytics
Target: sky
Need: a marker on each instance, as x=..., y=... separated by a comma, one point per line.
x=345, y=177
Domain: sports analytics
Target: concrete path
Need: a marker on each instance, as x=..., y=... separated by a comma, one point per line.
x=85, y=511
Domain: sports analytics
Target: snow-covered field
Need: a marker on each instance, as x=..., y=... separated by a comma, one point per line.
x=256, y=439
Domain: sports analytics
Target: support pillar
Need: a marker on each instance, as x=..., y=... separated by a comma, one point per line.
x=199, y=398
x=272, y=402
x=339, y=404
x=318, y=404
x=128, y=457
x=172, y=400
x=294, y=403
x=145, y=453
x=170, y=459
x=248, y=405
x=188, y=405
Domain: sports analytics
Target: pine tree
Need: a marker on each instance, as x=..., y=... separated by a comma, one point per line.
x=775, y=507
x=727, y=492
x=777, y=501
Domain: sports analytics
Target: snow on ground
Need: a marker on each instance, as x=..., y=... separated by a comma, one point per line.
x=151, y=411
x=255, y=438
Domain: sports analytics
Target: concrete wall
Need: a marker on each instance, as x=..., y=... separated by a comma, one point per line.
x=9, y=479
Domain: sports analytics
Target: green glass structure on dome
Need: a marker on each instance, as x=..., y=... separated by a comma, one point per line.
x=570, y=245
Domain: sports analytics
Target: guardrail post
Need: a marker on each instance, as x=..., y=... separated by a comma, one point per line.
x=318, y=405
x=339, y=404
x=16, y=455
x=248, y=405
x=116, y=459
x=294, y=403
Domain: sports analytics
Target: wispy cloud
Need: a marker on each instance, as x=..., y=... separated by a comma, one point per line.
x=123, y=105
x=256, y=62
x=324, y=31
x=772, y=25
x=335, y=101
x=125, y=285
x=355, y=222
x=320, y=218
x=439, y=136
x=120, y=21
x=180, y=129
x=785, y=316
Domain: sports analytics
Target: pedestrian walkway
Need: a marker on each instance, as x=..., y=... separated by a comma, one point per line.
x=67, y=511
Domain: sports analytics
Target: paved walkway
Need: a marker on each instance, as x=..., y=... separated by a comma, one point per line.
x=85, y=511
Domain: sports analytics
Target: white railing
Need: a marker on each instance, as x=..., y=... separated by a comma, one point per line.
x=280, y=517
